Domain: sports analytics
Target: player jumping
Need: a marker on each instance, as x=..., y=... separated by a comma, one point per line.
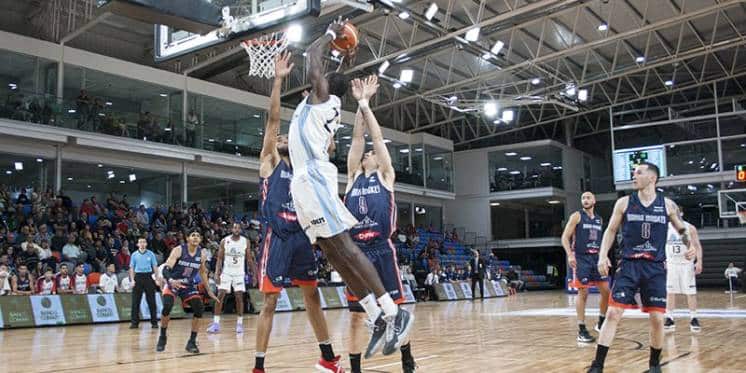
x=185, y=269
x=286, y=252
x=643, y=217
x=230, y=273
x=321, y=213
x=682, y=274
x=370, y=198
x=581, y=241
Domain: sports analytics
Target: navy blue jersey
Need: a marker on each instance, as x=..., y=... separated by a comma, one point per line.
x=277, y=207
x=187, y=266
x=23, y=283
x=372, y=204
x=588, y=234
x=645, y=229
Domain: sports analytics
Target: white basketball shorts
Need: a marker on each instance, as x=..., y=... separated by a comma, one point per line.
x=680, y=279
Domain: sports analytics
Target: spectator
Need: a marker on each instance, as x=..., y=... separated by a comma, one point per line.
x=22, y=283
x=72, y=252
x=103, y=256
x=87, y=208
x=5, y=280
x=80, y=280
x=514, y=280
x=158, y=246
x=29, y=253
x=126, y=285
x=122, y=259
x=63, y=281
x=142, y=216
x=58, y=241
x=22, y=198
x=43, y=234
x=108, y=281
x=83, y=108
x=430, y=281
x=191, y=126
x=731, y=274
x=46, y=284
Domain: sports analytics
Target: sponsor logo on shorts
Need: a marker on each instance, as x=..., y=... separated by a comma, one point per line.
x=584, y=280
x=657, y=299
x=619, y=294
x=318, y=221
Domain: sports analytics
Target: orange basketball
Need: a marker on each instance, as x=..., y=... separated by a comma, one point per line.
x=347, y=40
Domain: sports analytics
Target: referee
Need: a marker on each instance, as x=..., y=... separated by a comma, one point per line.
x=142, y=266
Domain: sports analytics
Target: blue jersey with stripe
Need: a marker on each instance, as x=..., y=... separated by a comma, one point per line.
x=23, y=283
x=187, y=266
x=645, y=229
x=588, y=234
x=372, y=204
x=277, y=208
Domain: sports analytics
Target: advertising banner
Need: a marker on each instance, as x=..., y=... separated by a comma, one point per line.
x=342, y=295
x=76, y=309
x=450, y=292
x=331, y=297
x=296, y=298
x=466, y=289
x=124, y=305
x=16, y=312
x=47, y=310
x=408, y=295
x=103, y=308
x=283, y=302
x=323, y=301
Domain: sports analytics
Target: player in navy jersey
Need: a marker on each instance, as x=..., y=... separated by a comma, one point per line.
x=22, y=282
x=184, y=270
x=643, y=216
x=286, y=252
x=582, y=242
x=370, y=198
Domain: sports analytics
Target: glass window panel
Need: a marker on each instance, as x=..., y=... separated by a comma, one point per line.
x=417, y=152
x=22, y=173
x=734, y=153
x=732, y=125
x=428, y=217
x=525, y=168
x=404, y=214
x=238, y=198
x=692, y=158
x=664, y=133
x=698, y=202
x=544, y=218
x=27, y=88
x=439, y=168
x=226, y=127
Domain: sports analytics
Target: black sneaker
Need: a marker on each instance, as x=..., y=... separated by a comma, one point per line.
x=655, y=369
x=161, y=343
x=408, y=366
x=595, y=368
x=669, y=325
x=378, y=331
x=134, y=326
x=584, y=336
x=694, y=325
x=154, y=325
x=397, y=329
x=192, y=347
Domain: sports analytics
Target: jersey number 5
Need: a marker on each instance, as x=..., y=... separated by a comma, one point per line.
x=645, y=231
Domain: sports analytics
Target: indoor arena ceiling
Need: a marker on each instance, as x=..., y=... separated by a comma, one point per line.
x=537, y=59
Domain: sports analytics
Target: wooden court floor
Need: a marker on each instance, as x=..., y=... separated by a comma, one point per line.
x=525, y=333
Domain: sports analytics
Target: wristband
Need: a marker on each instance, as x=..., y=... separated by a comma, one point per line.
x=363, y=104
x=331, y=33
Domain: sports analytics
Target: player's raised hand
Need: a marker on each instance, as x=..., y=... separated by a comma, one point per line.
x=603, y=266
x=370, y=86
x=283, y=65
x=337, y=25
x=357, y=89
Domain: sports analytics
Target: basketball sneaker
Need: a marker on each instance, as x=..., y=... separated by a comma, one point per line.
x=377, y=336
x=161, y=343
x=694, y=325
x=408, y=366
x=213, y=328
x=655, y=369
x=595, y=368
x=239, y=328
x=397, y=329
x=669, y=325
x=334, y=366
x=583, y=335
x=257, y=370
x=191, y=346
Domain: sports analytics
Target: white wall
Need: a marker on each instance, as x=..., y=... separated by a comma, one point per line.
x=471, y=208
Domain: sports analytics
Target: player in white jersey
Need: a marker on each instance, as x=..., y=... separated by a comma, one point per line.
x=230, y=272
x=681, y=275
x=314, y=187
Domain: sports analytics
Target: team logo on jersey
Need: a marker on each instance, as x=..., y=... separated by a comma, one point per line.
x=285, y=175
x=290, y=206
x=367, y=235
x=362, y=205
x=366, y=223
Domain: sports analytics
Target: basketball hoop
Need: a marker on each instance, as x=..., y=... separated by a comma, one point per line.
x=262, y=52
x=742, y=216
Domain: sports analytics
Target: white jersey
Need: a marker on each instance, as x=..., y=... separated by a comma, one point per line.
x=312, y=130
x=675, y=248
x=235, y=256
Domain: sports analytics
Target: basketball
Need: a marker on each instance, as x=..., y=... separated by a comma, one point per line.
x=347, y=41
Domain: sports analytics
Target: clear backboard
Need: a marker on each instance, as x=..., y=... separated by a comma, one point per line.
x=239, y=18
x=730, y=202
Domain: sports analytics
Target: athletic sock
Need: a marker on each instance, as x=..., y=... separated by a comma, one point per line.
x=259, y=360
x=371, y=307
x=193, y=337
x=601, y=320
x=655, y=356
x=216, y=319
x=326, y=350
x=163, y=331
x=239, y=320
x=600, y=359
x=406, y=352
x=581, y=323
x=355, y=363
x=387, y=305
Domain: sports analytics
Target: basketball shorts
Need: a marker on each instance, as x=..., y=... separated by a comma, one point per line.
x=286, y=258
x=383, y=257
x=643, y=275
x=228, y=281
x=320, y=211
x=186, y=293
x=586, y=272
x=681, y=279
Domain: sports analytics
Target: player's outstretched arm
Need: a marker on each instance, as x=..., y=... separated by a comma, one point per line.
x=219, y=264
x=315, y=66
x=357, y=146
x=610, y=235
x=269, y=157
x=567, y=238
x=370, y=87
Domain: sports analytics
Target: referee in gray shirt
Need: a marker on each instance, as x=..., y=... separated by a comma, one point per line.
x=142, y=266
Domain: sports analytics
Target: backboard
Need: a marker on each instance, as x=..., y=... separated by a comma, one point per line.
x=730, y=202
x=239, y=18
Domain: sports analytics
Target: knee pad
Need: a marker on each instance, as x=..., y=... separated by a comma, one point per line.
x=168, y=304
x=197, y=307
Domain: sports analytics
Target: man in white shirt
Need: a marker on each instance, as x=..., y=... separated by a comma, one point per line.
x=732, y=273
x=430, y=281
x=126, y=285
x=79, y=281
x=107, y=283
x=29, y=244
x=71, y=251
x=142, y=216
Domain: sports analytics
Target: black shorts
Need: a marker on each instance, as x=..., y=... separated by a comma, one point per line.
x=383, y=257
x=586, y=272
x=643, y=275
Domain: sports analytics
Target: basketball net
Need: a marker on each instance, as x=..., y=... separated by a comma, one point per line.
x=262, y=52
x=742, y=216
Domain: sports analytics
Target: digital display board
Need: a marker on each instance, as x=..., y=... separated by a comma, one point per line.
x=626, y=160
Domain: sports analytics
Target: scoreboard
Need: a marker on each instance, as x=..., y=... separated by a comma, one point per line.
x=741, y=173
